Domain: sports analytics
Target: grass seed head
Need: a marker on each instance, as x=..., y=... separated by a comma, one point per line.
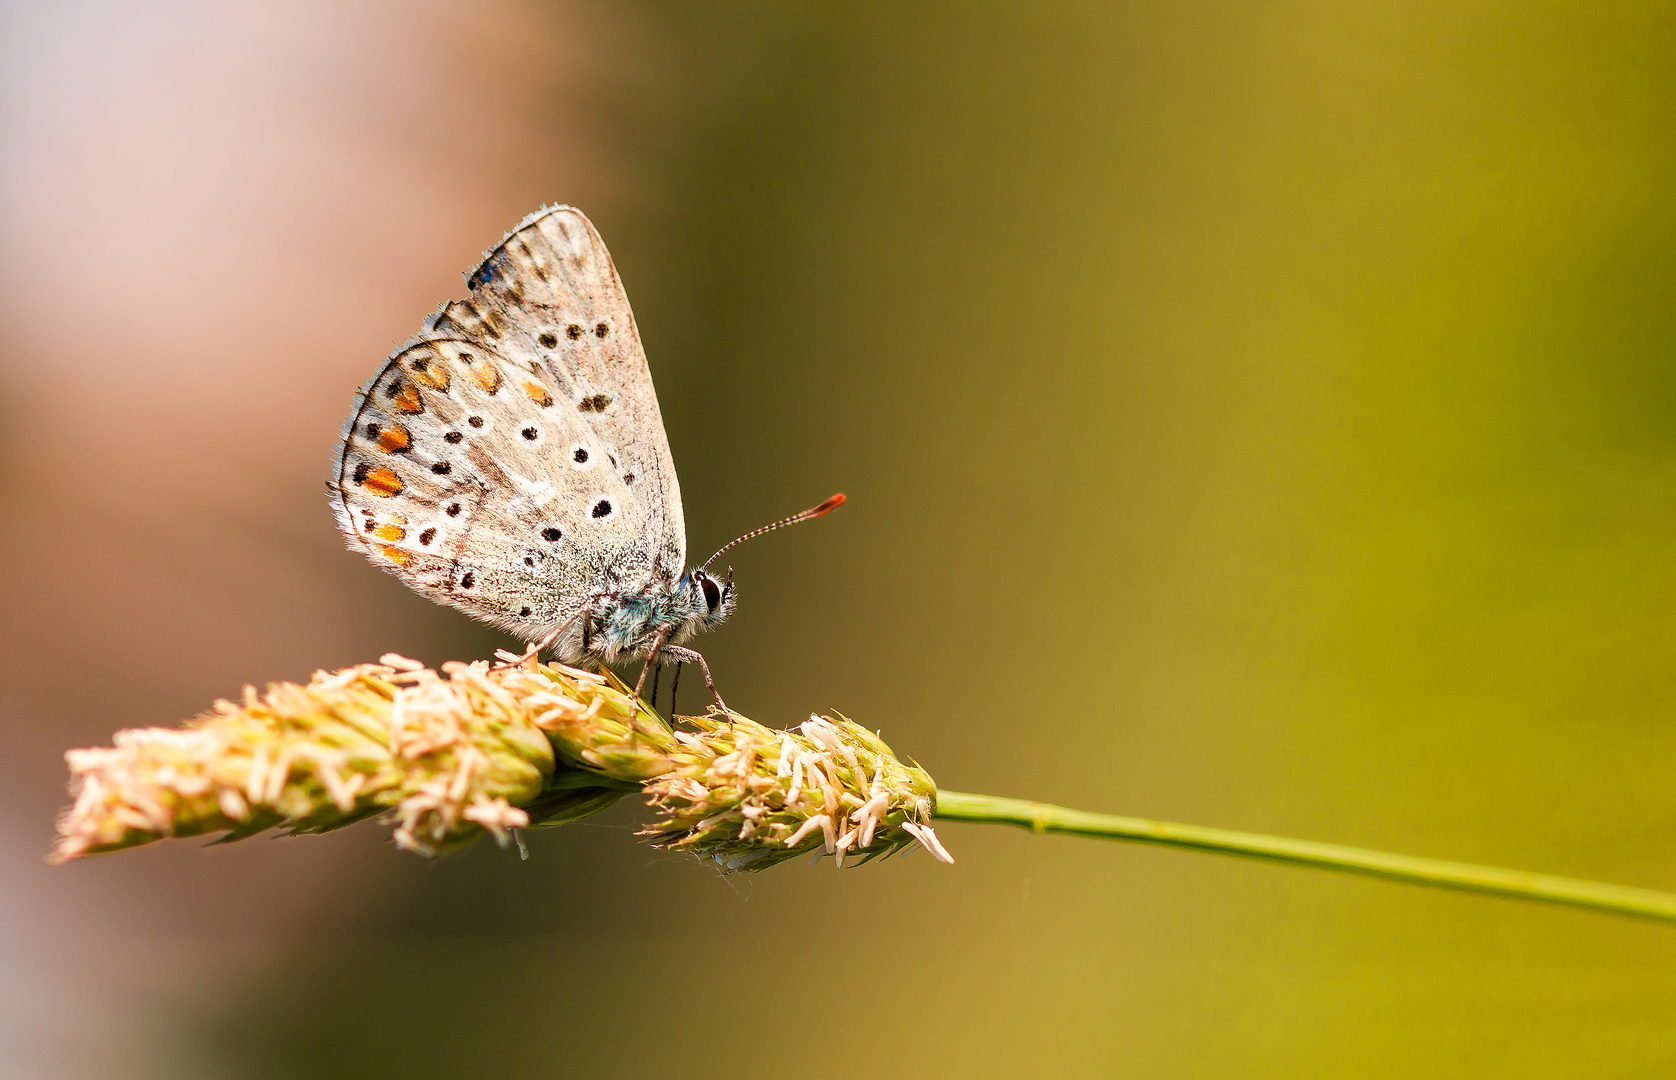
x=481, y=749
x=748, y=797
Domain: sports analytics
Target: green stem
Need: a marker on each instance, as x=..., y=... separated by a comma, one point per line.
x=1041, y=817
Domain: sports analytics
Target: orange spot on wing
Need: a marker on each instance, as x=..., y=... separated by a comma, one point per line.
x=538, y=394
x=382, y=482
x=407, y=399
x=487, y=376
x=390, y=532
x=396, y=555
x=430, y=372
x=393, y=440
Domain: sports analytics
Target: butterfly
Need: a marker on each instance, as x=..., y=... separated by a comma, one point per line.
x=510, y=461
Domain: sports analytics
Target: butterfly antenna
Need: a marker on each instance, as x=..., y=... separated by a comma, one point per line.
x=807, y=515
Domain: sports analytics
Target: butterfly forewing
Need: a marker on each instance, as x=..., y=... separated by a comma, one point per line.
x=503, y=462
x=552, y=292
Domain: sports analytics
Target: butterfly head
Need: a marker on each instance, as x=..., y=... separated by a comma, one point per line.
x=706, y=601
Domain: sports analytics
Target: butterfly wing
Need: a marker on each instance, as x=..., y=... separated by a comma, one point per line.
x=507, y=466
x=551, y=288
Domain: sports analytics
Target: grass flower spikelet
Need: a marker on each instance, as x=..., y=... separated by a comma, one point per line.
x=748, y=797
x=447, y=758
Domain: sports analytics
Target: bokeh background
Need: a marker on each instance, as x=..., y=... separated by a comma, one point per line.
x=1254, y=415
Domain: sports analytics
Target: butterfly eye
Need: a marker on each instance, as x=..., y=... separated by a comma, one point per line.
x=712, y=593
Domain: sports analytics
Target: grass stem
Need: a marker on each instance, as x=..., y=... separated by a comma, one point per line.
x=1515, y=884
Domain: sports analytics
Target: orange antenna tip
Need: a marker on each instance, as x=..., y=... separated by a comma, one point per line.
x=824, y=508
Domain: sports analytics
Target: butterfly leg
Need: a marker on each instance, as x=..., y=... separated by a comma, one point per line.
x=674, y=686
x=657, y=671
x=688, y=656
x=640, y=683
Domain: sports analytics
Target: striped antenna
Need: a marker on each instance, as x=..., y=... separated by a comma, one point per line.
x=807, y=515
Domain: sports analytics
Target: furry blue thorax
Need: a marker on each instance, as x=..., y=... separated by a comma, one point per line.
x=625, y=626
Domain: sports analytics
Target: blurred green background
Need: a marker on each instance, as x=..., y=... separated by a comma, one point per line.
x=1253, y=415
